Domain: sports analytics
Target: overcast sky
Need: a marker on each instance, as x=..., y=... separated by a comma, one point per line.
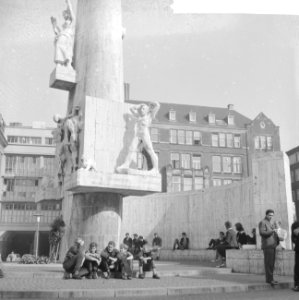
x=251, y=61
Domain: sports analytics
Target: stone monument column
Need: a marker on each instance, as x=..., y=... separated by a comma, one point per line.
x=97, y=134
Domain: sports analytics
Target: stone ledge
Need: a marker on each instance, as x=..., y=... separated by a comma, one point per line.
x=83, y=181
x=252, y=261
x=62, y=79
x=190, y=254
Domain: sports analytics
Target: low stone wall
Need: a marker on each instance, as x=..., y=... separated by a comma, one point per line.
x=199, y=255
x=252, y=261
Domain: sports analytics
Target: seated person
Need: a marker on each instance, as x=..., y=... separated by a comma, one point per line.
x=128, y=241
x=181, y=244
x=157, y=245
x=215, y=242
x=282, y=235
x=126, y=262
x=74, y=260
x=110, y=262
x=92, y=261
x=146, y=262
x=241, y=235
x=252, y=240
x=220, y=241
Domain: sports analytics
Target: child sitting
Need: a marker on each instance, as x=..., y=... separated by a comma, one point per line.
x=110, y=261
x=146, y=262
x=92, y=261
x=126, y=260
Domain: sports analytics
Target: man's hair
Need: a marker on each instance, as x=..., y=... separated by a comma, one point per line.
x=268, y=211
x=123, y=246
x=93, y=244
x=239, y=227
x=127, y=233
x=184, y=233
x=79, y=241
x=228, y=224
x=111, y=243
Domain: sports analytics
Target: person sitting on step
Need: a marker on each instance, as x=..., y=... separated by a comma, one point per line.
x=74, y=260
x=92, y=261
x=126, y=262
x=110, y=262
x=181, y=244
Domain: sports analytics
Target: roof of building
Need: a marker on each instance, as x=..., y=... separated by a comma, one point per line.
x=292, y=151
x=202, y=112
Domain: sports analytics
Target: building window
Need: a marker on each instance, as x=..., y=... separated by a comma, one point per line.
x=155, y=135
x=229, y=140
x=19, y=206
x=181, y=137
x=49, y=141
x=173, y=136
x=187, y=183
x=176, y=183
x=9, y=183
x=175, y=160
x=237, y=165
x=30, y=206
x=297, y=195
x=297, y=175
x=217, y=182
x=192, y=116
x=211, y=118
x=237, y=141
x=215, y=139
x=292, y=176
x=230, y=120
x=263, y=143
x=292, y=158
x=227, y=164
x=139, y=161
x=197, y=138
x=196, y=162
x=222, y=139
x=216, y=163
x=198, y=183
x=269, y=143
x=189, y=136
x=186, y=159
x=172, y=115
x=12, y=139
x=227, y=181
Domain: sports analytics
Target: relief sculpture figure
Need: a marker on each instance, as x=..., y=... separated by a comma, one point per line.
x=144, y=114
x=64, y=38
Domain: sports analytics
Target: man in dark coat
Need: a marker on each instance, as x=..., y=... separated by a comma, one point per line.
x=295, y=240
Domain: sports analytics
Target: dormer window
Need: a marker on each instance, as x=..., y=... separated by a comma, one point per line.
x=172, y=115
x=230, y=119
x=192, y=116
x=212, y=118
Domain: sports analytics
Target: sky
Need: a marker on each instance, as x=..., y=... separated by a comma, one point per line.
x=188, y=57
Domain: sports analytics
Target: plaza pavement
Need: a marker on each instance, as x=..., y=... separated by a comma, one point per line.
x=177, y=278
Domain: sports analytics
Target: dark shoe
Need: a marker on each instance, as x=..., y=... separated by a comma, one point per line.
x=106, y=275
x=89, y=276
x=67, y=275
x=158, y=258
x=94, y=275
x=155, y=276
x=296, y=288
x=129, y=277
x=274, y=282
x=141, y=276
x=77, y=276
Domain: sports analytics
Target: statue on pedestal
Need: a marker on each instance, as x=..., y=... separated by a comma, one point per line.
x=144, y=114
x=64, y=38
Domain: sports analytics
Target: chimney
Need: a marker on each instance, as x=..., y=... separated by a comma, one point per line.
x=230, y=107
x=126, y=91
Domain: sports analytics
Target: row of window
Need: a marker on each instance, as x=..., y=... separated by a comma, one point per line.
x=227, y=164
x=263, y=143
x=31, y=140
x=30, y=196
x=10, y=183
x=221, y=181
x=28, y=162
x=189, y=137
x=185, y=161
x=192, y=117
x=180, y=183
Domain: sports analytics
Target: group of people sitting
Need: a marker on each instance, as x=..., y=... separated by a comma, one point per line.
x=79, y=263
x=236, y=239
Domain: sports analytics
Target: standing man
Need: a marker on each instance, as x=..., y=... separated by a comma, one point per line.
x=270, y=241
x=295, y=240
x=157, y=244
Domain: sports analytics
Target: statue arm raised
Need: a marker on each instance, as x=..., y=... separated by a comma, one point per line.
x=70, y=9
x=56, y=29
x=134, y=111
x=154, y=107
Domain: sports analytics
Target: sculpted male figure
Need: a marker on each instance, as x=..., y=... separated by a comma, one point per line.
x=270, y=241
x=144, y=114
x=64, y=37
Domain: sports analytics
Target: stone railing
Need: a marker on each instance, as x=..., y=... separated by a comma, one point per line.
x=252, y=261
x=199, y=255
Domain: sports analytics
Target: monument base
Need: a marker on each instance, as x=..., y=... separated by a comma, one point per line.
x=83, y=181
x=63, y=78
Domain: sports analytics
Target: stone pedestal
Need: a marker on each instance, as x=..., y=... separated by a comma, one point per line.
x=62, y=79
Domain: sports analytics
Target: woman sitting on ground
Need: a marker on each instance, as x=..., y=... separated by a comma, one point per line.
x=241, y=235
